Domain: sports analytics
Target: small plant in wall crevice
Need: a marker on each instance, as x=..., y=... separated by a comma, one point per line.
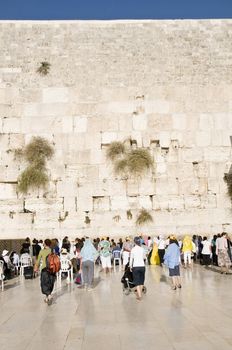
x=228, y=180
x=129, y=161
x=144, y=217
x=35, y=175
x=44, y=68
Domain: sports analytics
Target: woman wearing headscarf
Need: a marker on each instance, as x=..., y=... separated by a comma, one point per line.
x=88, y=255
x=137, y=265
x=172, y=261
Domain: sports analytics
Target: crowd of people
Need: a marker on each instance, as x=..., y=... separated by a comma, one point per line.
x=84, y=253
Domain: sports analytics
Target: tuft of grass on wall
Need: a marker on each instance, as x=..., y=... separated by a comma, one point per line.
x=115, y=150
x=134, y=162
x=32, y=177
x=228, y=180
x=38, y=150
x=138, y=161
x=144, y=217
x=44, y=68
x=35, y=175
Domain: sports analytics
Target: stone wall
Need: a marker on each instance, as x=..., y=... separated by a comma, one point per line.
x=166, y=85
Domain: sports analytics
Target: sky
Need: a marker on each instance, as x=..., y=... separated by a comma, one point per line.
x=114, y=9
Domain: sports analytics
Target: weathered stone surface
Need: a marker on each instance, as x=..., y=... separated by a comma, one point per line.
x=113, y=86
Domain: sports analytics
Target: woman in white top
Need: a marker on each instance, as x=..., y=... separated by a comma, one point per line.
x=138, y=267
x=206, y=251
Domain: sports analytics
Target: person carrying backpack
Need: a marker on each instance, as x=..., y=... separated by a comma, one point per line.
x=50, y=265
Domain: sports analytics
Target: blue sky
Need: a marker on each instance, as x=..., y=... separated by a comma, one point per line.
x=114, y=9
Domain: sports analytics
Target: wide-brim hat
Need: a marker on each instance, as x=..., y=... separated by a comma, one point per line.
x=5, y=252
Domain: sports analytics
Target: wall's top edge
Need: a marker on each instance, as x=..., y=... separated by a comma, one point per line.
x=217, y=20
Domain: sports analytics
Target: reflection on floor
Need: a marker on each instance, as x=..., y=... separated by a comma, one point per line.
x=197, y=317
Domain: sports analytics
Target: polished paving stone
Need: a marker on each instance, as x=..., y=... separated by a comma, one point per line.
x=196, y=317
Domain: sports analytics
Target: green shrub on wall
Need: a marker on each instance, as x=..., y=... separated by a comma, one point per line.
x=228, y=180
x=127, y=161
x=144, y=217
x=35, y=175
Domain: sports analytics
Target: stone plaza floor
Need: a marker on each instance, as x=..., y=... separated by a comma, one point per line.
x=196, y=317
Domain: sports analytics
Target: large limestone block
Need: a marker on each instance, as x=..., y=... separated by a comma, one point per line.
x=108, y=137
x=157, y=106
x=161, y=169
x=216, y=154
x=206, y=122
x=80, y=124
x=147, y=186
x=116, y=107
x=8, y=191
x=192, y=201
x=67, y=188
x=179, y=121
x=11, y=206
x=140, y=122
x=41, y=125
x=222, y=121
x=55, y=94
x=193, y=154
x=117, y=187
x=145, y=202
x=16, y=141
x=176, y=202
x=96, y=156
x=165, y=139
x=160, y=202
x=101, y=203
x=203, y=138
x=133, y=202
x=11, y=125
x=213, y=185
x=67, y=124
x=208, y=201
x=132, y=187
x=119, y=202
x=57, y=109
x=43, y=204
x=125, y=122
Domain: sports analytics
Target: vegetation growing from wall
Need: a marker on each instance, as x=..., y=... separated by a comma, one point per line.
x=228, y=180
x=144, y=217
x=44, y=68
x=127, y=161
x=35, y=175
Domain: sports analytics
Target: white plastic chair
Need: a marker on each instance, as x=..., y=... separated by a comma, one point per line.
x=65, y=267
x=25, y=261
x=1, y=274
x=117, y=257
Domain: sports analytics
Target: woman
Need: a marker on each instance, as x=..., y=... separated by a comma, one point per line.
x=206, y=251
x=213, y=248
x=47, y=279
x=155, y=260
x=222, y=253
x=187, y=250
x=88, y=255
x=172, y=260
x=137, y=265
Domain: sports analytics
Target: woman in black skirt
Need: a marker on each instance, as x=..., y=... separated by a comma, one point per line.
x=138, y=267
